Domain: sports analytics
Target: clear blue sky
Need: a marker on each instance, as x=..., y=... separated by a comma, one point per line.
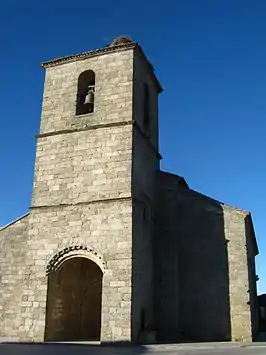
x=210, y=57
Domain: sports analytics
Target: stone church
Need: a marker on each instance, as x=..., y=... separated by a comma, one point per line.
x=113, y=248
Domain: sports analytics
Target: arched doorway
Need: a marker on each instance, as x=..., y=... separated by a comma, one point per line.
x=74, y=298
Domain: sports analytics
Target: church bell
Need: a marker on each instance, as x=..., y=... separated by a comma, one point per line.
x=90, y=96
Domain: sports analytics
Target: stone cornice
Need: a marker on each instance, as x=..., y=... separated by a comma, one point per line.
x=101, y=51
x=102, y=125
x=88, y=54
x=106, y=200
x=63, y=205
x=84, y=128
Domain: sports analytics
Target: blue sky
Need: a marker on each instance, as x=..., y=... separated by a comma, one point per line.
x=210, y=57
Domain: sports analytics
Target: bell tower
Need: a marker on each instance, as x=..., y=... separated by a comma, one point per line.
x=93, y=195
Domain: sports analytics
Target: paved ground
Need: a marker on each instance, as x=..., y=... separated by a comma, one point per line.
x=179, y=349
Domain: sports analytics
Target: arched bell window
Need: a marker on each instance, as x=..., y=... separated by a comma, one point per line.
x=85, y=93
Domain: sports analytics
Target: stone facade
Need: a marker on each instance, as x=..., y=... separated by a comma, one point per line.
x=207, y=248
x=171, y=262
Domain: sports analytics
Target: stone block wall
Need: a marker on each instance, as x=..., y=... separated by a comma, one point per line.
x=143, y=74
x=166, y=262
x=81, y=192
x=240, y=245
x=82, y=184
x=213, y=280
x=252, y=251
x=89, y=156
x=16, y=295
x=87, y=169
x=145, y=163
x=106, y=229
x=113, y=92
x=83, y=166
x=31, y=243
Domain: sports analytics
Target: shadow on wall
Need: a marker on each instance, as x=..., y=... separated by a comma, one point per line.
x=191, y=265
x=252, y=251
x=142, y=277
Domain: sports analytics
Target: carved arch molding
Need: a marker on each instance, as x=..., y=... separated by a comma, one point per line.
x=73, y=252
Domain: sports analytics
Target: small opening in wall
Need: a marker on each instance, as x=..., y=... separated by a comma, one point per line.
x=144, y=214
x=85, y=93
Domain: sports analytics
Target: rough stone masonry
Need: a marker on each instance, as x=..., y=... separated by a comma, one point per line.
x=113, y=249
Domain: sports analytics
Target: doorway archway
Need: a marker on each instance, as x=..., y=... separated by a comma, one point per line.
x=74, y=298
